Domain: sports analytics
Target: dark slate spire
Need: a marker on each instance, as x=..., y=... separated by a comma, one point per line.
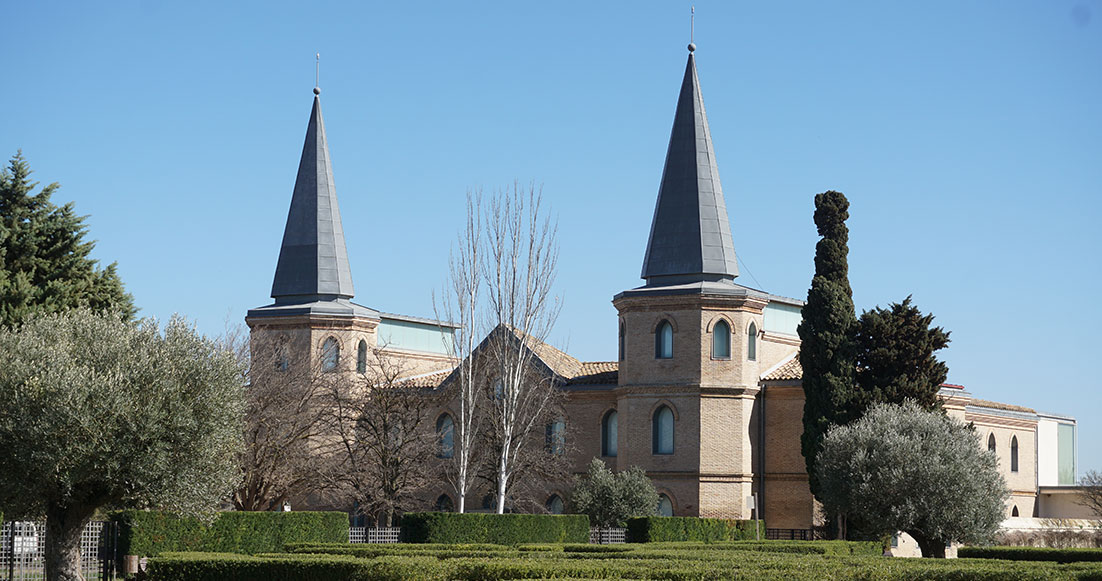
x=313, y=262
x=690, y=237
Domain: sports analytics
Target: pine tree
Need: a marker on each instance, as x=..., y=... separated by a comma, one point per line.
x=827, y=351
x=44, y=259
x=895, y=356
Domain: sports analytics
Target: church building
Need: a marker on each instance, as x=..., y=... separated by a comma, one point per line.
x=705, y=394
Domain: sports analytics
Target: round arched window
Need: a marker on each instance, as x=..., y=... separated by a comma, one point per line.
x=445, y=433
x=663, y=341
x=663, y=431
x=554, y=504
x=721, y=340
x=665, y=505
x=609, y=434
x=330, y=354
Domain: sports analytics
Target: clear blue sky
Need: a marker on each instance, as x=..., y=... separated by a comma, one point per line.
x=967, y=136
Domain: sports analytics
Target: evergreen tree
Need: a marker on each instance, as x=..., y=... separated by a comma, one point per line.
x=895, y=356
x=44, y=259
x=827, y=352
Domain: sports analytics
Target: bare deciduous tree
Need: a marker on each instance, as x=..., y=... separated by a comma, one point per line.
x=461, y=304
x=283, y=421
x=519, y=270
x=1091, y=496
x=384, y=447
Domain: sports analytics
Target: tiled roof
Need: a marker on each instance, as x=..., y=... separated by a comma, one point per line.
x=982, y=403
x=597, y=373
x=785, y=370
x=432, y=379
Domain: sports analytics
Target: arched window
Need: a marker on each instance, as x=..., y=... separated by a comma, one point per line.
x=663, y=431
x=665, y=505
x=1015, y=511
x=752, y=342
x=499, y=390
x=1014, y=453
x=721, y=341
x=444, y=504
x=556, y=437
x=361, y=357
x=554, y=504
x=991, y=443
x=282, y=361
x=330, y=354
x=621, y=341
x=445, y=433
x=609, y=434
x=663, y=341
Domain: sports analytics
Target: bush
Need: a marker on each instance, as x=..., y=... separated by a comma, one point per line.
x=147, y=533
x=1031, y=554
x=504, y=529
x=650, y=529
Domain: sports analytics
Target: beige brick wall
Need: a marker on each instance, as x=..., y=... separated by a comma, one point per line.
x=1023, y=482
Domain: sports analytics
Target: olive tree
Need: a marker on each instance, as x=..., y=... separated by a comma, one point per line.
x=611, y=498
x=902, y=468
x=99, y=412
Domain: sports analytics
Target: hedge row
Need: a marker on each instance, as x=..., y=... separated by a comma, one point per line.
x=504, y=529
x=1031, y=554
x=148, y=533
x=546, y=565
x=651, y=529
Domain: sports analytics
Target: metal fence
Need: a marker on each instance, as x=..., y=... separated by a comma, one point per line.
x=373, y=535
x=607, y=536
x=23, y=551
x=790, y=534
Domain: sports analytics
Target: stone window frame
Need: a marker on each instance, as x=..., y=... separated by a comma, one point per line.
x=605, y=441
x=1013, y=453
x=361, y=356
x=337, y=356
x=441, y=451
x=663, y=403
x=668, y=319
x=752, y=341
x=711, y=330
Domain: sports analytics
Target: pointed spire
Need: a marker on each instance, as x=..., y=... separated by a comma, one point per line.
x=690, y=237
x=313, y=261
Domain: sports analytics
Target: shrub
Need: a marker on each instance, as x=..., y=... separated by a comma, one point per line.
x=1031, y=554
x=651, y=529
x=505, y=529
x=148, y=533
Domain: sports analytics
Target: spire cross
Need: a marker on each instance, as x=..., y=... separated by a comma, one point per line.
x=692, y=27
x=317, y=70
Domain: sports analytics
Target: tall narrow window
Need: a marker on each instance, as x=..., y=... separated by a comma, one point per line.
x=282, y=361
x=609, y=433
x=330, y=354
x=554, y=504
x=991, y=443
x=663, y=341
x=721, y=341
x=663, y=431
x=1015, y=511
x=665, y=505
x=361, y=357
x=556, y=437
x=752, y=342
x=1014, y=453
x=445, y=432
x=621, y=341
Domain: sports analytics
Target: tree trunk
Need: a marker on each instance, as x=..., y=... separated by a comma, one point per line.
x=931, y=548
x=63, y=528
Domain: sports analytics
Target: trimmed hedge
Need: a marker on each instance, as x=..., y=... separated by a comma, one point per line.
x=651, y=529
x=1031, y=554
x=148, y=533
x=502, y=529
x=641, y=562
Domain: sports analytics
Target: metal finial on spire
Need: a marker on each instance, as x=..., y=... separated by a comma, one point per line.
x=692, y=27
x=317, y=73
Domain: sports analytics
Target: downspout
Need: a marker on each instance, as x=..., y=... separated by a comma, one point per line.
x=761, y=455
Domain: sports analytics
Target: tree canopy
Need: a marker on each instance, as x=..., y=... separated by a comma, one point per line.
x=44, y=258
x=903, y=468
x=895, y=356
x=96, y=411
x=826, y=332
x=611, y=498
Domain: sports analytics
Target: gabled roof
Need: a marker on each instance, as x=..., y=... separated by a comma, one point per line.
x=690, y=237
x=313, y=261
x=785, y=370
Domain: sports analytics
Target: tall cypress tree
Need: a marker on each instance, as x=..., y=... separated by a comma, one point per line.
x=895, y=355
x=827, y=351
x=44, y=259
